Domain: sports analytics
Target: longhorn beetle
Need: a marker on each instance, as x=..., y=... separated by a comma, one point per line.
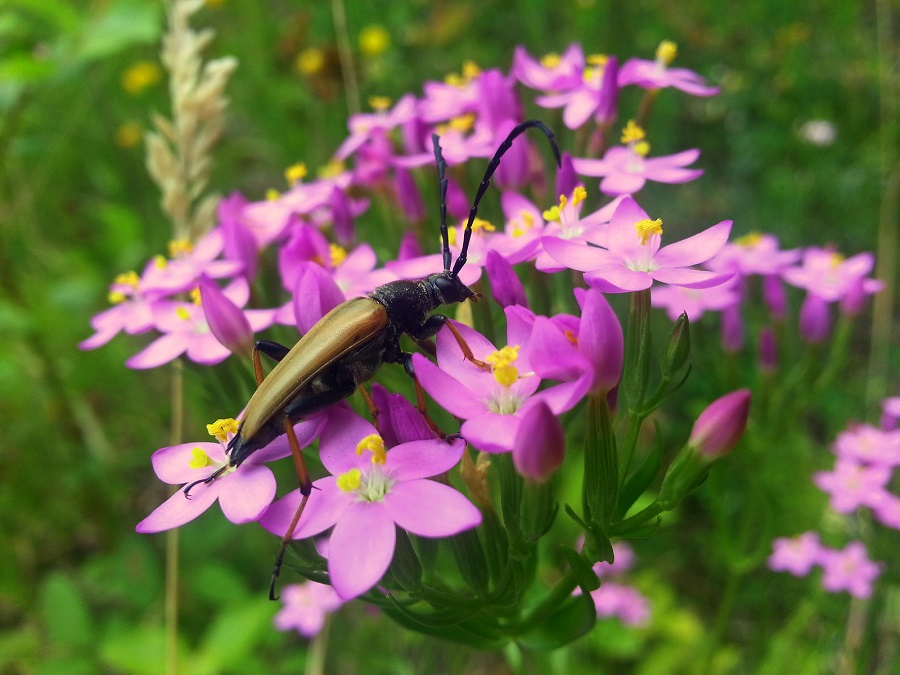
x=349, y=344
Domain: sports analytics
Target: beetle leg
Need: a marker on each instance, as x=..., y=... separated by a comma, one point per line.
x=466, y=350
x=273, y=350
x=370, y=404
x=305, y=490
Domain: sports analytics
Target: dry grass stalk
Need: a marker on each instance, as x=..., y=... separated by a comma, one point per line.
x=179, y=152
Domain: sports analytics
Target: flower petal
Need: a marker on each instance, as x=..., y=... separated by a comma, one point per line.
x=179, y=509
x=694, y=250
x=491, y=432
x=326, y=504
x=423, y=459
x=360, y=549
x=246, y=494
x=430, y=509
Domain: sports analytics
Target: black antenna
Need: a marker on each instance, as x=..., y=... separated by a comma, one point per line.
x=485, y=183
x=441, y=166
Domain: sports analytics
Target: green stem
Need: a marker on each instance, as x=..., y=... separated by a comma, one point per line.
x=639, y=518
x=176, y=433
x=550, y=604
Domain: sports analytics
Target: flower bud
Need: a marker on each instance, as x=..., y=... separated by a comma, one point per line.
x=409, y=197
x=721, y=425
x=768, y=351
x=506, y=287
x=678, y=348
x=815, y=322
x=540, y=444
x=566, y=180
x=226, y=321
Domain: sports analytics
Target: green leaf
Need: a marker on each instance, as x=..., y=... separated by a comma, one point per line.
x=582, y=570
x=65, y=613
x=455, y=633
x=126, y=23
x=638, y=481
x=575, y=617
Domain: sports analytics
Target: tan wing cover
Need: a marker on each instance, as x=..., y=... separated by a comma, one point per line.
x=345, y=328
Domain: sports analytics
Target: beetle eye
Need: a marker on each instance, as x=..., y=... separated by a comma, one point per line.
x=451, y=289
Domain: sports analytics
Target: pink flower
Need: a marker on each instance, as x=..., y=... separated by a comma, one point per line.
x=797, y=555
x=493, y=401
x=188, y=264
x=625, y=171
x=363, y=126
x=305, y=608
x=623, y=602
x=656, y=74
x=852, y=484
x=849, y=570
x=185, y=331
x=633, y=259
x=827, y=274
x=865, y=443
x=694, y=301
x=244, y=493
x=596, y=94
x=371, y=492
x=553, y=73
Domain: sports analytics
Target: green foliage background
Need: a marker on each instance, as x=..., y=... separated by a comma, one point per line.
x=81, y=592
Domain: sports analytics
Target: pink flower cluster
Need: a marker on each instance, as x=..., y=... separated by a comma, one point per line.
x=866, y=457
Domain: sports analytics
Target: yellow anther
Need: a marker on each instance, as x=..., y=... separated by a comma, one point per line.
x=338, y=254
x=463, y=122
x=641, y=148
x=140, y=76
x=666, y=52
x=522, y=224
x=571, y=337
x=272, y=195
x=379, y=103
x=552, y=214
x=194, y=295
x=129, y=278
x=597, y=59
x=349, y=481
x=310, y=61
x=647, y=228
x=221, y=428
x=470, y=70
x=632, y=133
x=748, y=240
x=160, y=261
x=506, y=375
x=183, y=314
x=579, y=195
x=454, y=80
x=334, y=168
x=481, y=224
x=374, y=40
x=115, y=297
x=180, y=247
x=129, y=134
x=199, y=459
x=836, y=260
x=551, y=60
x=295, y=173
x=375, y=444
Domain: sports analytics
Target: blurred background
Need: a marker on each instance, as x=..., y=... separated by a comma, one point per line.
x=800, y=142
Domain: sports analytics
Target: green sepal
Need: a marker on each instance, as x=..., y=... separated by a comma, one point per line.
x=582, y=569
x=638, y=481
x=470, y=559
x=597, y=542
x=455, y=633
x=574, y=618
x=405, y=566
x=511, y=485
x=496, y=542
x=642, y=531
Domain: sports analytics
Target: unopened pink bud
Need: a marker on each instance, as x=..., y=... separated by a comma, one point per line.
x=815, y=319
x=226, y=321
x=540, y=444
x=721, y=425
x=768, y=350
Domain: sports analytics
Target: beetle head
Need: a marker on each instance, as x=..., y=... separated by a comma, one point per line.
x=447, y=288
